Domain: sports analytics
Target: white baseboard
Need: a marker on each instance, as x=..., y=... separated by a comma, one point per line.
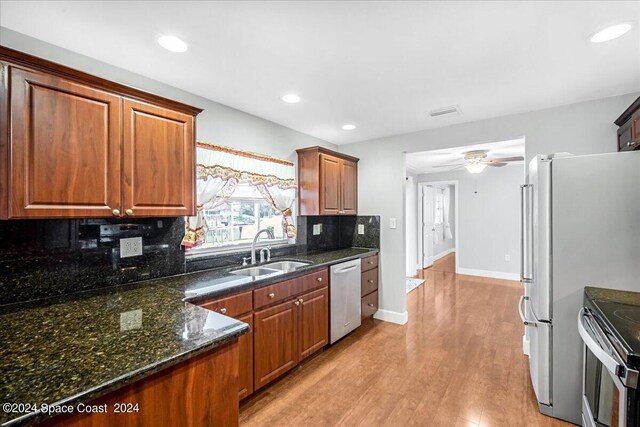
x=392, y=316
x=443, y=254
x=486, y=273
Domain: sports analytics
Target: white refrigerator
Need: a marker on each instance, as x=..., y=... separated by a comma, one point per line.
x=580, y=226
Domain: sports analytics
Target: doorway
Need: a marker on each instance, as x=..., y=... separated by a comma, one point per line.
x=437, y=221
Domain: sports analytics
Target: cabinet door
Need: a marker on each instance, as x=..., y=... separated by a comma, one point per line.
x=635, y=130
x=274, y=342
x=313, y=321
x=349, y=191
x=245, y=342
x=329, y=185
x=159, y=161
x=65, y=148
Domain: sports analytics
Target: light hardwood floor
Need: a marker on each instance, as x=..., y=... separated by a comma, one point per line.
x=457, y=362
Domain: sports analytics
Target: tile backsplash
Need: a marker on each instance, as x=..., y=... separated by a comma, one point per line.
x=43, y=258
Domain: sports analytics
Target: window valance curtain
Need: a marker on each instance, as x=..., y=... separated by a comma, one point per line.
x=220, y=169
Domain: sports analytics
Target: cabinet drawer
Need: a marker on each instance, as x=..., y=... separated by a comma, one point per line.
x=369, y=281
x=370, y=304
x=231, y=306
x=369, y=262
x=281, y=291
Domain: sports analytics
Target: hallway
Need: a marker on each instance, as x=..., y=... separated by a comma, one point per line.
x=457, y=362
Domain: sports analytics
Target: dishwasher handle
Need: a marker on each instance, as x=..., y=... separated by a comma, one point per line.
x=345, y=269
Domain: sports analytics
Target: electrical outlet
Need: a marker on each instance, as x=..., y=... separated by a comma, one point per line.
x=130, y=320
x=130, y=247
x=392, y=223
x=360, y=228
x=317, y=229
x=507, y=257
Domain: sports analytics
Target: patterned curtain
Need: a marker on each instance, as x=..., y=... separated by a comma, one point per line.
x=220, y=169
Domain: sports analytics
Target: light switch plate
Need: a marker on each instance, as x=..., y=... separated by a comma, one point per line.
x=131, y=320
x=360, y=228
x=507, y=257
x=392, y=223
x=130, y=247
x=317, y=229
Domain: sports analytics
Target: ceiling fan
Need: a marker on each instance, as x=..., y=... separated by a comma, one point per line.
x=475, y=161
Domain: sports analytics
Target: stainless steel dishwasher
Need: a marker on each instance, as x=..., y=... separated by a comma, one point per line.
x=345, y=298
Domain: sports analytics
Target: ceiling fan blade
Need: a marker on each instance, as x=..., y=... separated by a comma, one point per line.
x=448, y=166
x=506, y=159
x=495, y=164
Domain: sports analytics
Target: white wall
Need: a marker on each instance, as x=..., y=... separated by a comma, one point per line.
x=489, y=227
x=218, y=123
x=411, y=214
x=582, y=128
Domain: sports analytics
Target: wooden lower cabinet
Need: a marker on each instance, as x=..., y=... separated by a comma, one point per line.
x=196, y=392
x=313, y=322
x=275, y=342
x=288, y=333
x=245, y=368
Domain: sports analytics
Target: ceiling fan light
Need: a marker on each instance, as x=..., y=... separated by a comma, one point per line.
x=475, y=167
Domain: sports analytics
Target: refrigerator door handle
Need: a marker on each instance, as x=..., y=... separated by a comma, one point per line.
x=524, y=216
x=525, y=321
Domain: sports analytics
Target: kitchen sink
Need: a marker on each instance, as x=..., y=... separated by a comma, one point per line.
x=256, y=271
x=286, y=265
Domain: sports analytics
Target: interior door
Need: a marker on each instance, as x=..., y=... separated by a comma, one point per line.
x=428, y=226
x=65, y=148
x=159, y=154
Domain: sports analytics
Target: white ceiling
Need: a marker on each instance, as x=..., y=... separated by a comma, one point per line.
x=380, y=65
x=432, y=161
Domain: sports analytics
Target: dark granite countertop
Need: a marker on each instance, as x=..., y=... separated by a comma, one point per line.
x=73, y=349
x=77, y=347
x=217, y=282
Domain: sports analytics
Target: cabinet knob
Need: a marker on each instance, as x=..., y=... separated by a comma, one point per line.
x=116, y=212
x=319, y=279
x=297, y=302
x=301, y=300
x=223, y=310
x=271, y=295
x=370, y=281
x=129, y=211
x=370, y=262
x=370, y=305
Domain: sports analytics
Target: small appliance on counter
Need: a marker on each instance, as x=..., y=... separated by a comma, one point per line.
x=609, y=325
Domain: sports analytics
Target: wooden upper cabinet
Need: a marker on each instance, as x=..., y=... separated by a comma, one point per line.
x=65, y=148
x=328, y=182
x=74, y=145
x=329, y=185
x=159, y=161
x=629, y=128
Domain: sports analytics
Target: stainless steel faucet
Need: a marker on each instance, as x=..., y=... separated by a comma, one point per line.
x=255, y=239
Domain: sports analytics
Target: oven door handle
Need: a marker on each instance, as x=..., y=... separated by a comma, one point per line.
x=592, y=343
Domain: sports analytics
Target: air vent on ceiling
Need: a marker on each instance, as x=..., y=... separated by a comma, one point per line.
x=447, y=111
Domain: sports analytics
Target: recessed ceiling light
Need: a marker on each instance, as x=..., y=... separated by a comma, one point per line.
x=611, y=32
x=348, y=127
x=291, y=98
x=172, y=43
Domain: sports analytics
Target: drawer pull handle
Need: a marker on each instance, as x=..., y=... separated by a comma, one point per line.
x=370, y=281
x=297, y=302
x=271, y=295
x=370, y=304
x=371, y=262
x=223, y=310
x=319, y=279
